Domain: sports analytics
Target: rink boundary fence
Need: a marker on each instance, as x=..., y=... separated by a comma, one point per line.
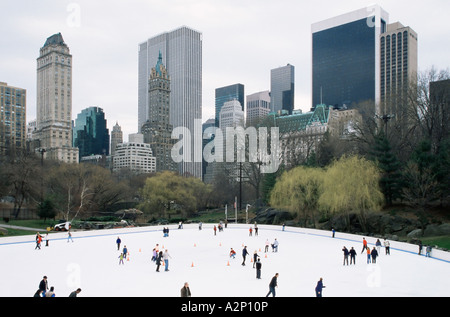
x=436, y=254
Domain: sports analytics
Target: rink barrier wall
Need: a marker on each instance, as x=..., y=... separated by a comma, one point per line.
x=347, y=237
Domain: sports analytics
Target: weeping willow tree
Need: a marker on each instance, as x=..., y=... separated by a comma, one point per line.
x=298, y=191
x=351, y=185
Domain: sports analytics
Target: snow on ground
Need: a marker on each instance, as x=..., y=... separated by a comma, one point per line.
x=202, y=259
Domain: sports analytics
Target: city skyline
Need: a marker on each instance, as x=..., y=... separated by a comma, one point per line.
x=239, y=46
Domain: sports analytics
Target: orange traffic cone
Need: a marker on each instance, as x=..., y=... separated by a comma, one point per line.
x=192, y=265
x=266, y=256
x=228, y=264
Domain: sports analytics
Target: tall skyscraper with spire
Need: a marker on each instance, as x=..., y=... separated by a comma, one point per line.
x=54, y=101
x=116, y=137
x=157, y=130
x=181, y=51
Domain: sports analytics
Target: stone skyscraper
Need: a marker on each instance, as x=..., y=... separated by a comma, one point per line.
x=54, y=101
x=13, y=101
x=116, y=137
x=157, y=130
x=181, y=50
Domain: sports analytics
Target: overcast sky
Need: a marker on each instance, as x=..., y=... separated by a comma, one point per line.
x=242, y=41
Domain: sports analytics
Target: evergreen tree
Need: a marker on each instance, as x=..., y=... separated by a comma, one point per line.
x=389, y=165
x=46, y=209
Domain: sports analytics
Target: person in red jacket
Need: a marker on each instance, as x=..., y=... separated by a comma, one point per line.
x=364, y=245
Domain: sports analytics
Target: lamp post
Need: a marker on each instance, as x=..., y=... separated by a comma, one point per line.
x=42, y=151
x=385, y=119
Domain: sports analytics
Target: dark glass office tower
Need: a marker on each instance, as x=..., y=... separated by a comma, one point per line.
x=345, y=57
x=228, y=93
x=282, y=88
x=90, y=134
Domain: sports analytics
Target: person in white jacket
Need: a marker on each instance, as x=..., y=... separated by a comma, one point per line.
x=166, y=257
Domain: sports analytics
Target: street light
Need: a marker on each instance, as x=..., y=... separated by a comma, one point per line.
x=385, y=119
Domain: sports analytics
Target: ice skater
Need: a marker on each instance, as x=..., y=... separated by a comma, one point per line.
x=346, y=253
x=158, y=260
x=38, y=241
x=368, y=255
x=319, y=288
x=275, y=246
x=272, y=285
x=364, y=245
x=125, y=251
x=387, y=247
x=232, y=253
x=69, y=236
x=43, y=285
x=121, y=258
x=244, y=254
x=266, y=248
x=374, y=255
x=118, y=241
x=255, y=257
x=378, y=245
x=166, y=257
x=258, y=269
x=352, y=256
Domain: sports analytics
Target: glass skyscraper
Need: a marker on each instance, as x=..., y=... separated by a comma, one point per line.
x=282, y=88
x=90, y=134
x=346, y=57
x=228, y=93
x=182, y=55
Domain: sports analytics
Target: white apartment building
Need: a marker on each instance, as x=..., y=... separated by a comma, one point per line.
x=231, y=115
x=258, y=107
x=135, y=155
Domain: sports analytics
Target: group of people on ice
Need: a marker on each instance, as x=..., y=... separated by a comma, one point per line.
x=372, y=254
x=45, y=291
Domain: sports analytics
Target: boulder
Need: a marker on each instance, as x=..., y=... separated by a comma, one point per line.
x=416, y=233
x=433, y=230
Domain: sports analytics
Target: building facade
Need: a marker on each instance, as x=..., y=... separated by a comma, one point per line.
x=258, y=107
x=399, y=65
x=231, y=115
x=182, y=56
x=228, y=93
x=346, y=58
x=13, y=105
x=135, y=156
x=282, y=88
x=116, y=137
x=90, y=133
x=157, y=130
x=54, y=101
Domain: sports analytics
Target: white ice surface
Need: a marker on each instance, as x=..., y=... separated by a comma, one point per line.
x=201, y=258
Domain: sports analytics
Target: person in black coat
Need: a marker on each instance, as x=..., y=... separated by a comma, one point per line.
x=346, y=253
x=374, y=255
x=43, y=286
x=352, y=256
x=158, y=260
x=244, y=254
x=258, y=269
x=319, y=288
x=272, y=285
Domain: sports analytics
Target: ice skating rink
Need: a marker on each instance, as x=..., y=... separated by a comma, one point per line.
x=202, y=259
